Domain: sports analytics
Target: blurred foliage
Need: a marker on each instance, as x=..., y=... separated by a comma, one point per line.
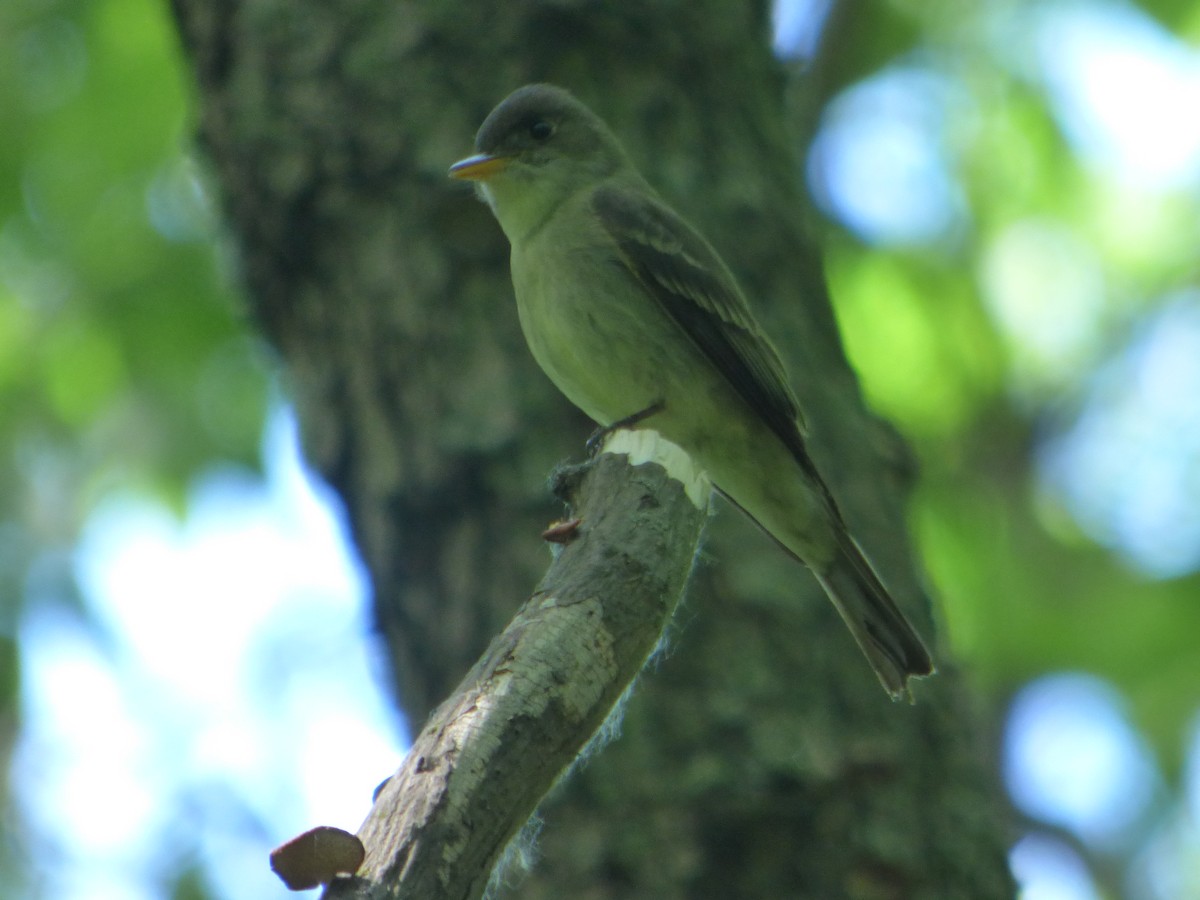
x=1180, y=16
x=121, y=357
x=978, y=386
x=123, y=363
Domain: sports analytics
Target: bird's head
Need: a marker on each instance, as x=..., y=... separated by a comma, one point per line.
x=536, y=149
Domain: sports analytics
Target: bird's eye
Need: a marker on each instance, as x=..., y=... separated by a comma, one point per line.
x=541, y=130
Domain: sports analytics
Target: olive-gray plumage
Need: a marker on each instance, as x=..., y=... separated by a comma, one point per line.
x=625, y=306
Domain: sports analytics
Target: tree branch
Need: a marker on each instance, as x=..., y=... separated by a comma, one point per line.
x=528, y=707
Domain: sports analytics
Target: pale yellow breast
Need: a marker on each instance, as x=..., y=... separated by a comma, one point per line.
x=596, y=335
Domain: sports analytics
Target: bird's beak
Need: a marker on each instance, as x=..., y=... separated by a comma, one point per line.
x=479, y=167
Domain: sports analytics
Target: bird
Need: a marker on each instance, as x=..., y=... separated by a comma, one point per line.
x=639, y=322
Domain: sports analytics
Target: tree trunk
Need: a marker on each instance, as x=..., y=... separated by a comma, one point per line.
x=760, y=758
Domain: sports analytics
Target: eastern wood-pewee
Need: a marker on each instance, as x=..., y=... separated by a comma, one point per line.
x=630, y=312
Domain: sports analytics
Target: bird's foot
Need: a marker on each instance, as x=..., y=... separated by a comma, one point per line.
x=598, y=436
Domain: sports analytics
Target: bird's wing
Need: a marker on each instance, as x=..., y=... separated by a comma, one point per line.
x=685, y=276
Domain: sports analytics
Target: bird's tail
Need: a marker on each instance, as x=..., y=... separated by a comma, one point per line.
x=890, y=643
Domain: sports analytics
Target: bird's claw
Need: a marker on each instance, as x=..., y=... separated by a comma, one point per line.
x=596, y=441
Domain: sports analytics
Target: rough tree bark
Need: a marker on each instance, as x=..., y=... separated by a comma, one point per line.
x=760, y=759
x=526, y=711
